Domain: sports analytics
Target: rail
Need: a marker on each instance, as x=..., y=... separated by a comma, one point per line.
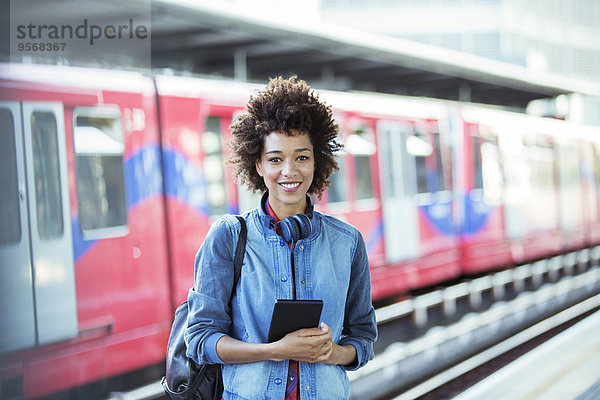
x=409, y=365
x=501, y=348
x=567, y=264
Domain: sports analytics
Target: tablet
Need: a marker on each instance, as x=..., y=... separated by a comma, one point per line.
x=291, y=315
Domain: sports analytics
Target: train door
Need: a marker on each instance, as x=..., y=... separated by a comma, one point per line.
x=17, y=327
x=594, y=193
x=570, y=192
x=482, y=228
x=37, y=288
x=400, y=215
x=517, y=188
x=431, y=154
x=589, y=194
x=541, y=205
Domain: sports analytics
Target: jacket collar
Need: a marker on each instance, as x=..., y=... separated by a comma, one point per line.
x=309, y=205
x=266, y=220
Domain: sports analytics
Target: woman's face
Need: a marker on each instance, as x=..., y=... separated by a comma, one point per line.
x=287, y=166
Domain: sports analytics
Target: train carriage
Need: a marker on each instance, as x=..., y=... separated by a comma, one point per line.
x=479, y=215
x=84, y=284
x=536, y=181
x=195, y=119
x=409, y=231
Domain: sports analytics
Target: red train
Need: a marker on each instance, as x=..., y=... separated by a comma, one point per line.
x=110, y=181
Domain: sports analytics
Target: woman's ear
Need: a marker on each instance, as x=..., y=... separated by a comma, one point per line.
x=258, y=167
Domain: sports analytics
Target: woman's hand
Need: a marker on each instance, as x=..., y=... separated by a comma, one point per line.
x=313, y=345
x=307, y=345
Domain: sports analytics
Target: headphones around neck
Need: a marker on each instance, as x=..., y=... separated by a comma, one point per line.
x=295, y=227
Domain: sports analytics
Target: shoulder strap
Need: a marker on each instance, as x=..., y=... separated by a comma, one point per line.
x=239, y=254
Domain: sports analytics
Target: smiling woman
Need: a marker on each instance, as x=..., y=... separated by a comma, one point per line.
x=284, y=147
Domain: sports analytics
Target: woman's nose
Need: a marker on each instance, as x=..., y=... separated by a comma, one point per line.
x=289, y=168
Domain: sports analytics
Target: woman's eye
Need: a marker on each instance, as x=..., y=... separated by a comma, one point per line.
x=274, y=160
x=303, y=158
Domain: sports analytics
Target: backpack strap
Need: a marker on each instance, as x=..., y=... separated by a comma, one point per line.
x=240, y=250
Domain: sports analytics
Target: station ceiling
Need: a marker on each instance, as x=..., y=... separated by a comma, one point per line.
x=216, y=39
x=219, y=40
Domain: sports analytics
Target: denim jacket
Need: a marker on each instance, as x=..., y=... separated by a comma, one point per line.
x=331, y=265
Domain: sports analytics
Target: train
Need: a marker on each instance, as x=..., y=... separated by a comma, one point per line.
x=111, y=179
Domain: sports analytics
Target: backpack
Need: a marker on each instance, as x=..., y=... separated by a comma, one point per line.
x=184, y=379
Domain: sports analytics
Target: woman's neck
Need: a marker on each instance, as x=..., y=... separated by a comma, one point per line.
x=287, y=210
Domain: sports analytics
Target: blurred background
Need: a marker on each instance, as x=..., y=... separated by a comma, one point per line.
x=471, y=167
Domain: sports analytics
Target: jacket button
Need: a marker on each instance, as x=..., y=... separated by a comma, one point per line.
x=278, y=381
x=284, y=278
x=303, y=281
x=301, y=247
x=281, y=243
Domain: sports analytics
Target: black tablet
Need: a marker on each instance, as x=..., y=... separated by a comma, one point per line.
x=291, y=315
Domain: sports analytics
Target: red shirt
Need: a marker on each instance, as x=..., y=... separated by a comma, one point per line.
x=292, y=389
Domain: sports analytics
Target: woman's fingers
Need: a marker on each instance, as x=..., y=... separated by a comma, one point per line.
x=323, y=330
x=308, y=345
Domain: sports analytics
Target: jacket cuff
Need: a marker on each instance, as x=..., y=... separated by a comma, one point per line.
x=360, y=355
x=210, y=348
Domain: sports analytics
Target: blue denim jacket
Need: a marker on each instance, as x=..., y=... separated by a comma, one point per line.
x=331, y=265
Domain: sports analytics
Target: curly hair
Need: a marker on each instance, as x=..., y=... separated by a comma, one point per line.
x=283, y=106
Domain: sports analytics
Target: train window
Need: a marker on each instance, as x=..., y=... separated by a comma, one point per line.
x=486, y=163
x=364, y=184
x=391, y=187
x=10, y=213
x=477, y=165
x=99, y=172
x=418, y=146
x=214, y=170
x=542, y=165
x=491, y=172
x=361, y=145
x=569, y=165
x=440, y=184
x=337, y=189
x=596, y=168
x=47, y=175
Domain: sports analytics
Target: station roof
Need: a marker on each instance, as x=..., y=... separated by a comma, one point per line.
x=217, y=39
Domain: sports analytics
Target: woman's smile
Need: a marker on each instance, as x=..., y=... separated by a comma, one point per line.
x=290, y=186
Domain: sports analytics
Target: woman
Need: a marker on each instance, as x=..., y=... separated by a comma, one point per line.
x=283, y=146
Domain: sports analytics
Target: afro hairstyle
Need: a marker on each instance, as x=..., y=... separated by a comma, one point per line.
x=284, y=106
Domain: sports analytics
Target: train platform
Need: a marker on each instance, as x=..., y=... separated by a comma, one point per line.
x=565, y=367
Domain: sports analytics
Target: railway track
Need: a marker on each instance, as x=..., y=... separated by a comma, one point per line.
x=449, y=337
x=446, y=338
x=460, y=377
